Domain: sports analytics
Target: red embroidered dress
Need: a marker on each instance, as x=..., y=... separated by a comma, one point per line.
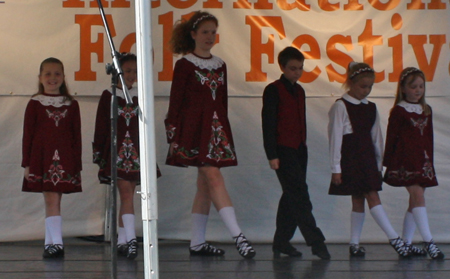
x=128, y=167
x=197, y=121
x=51, y=145
x=408, y=154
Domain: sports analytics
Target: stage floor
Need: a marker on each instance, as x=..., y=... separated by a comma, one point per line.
x=85, y=259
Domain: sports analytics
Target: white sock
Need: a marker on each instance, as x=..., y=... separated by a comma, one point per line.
x=356, y=225
x=409, y=226
x=229, y=218
x=55, y=229
x=421, y=218
x=122, y=237
x=48, y=236
x=128, y=224
x=198, y=230
x=382, y=220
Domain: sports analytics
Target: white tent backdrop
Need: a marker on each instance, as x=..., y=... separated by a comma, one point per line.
x=389, y=35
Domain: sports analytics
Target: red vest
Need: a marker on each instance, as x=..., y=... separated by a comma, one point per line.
x=291, y=126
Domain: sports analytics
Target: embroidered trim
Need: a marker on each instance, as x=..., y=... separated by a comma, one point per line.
x=212, y=63
x=211, y=79
x=57, y=101
x=413, y=108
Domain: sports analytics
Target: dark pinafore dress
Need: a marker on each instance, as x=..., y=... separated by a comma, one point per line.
x=359, y=167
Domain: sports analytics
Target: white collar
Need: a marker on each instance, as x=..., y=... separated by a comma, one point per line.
x=354, y=100
x=212, y=63
x=56, y=101
x=415, y=108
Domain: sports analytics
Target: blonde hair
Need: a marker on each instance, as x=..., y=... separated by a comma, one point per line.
x=356, y=71
x=181, y=41
x=408, y=76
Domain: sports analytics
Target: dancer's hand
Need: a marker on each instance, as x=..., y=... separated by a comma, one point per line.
x=274, y=164
x=26, y=172
x=336, y=178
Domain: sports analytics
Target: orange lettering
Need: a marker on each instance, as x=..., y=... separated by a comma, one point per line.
x=120, y=4
x=213, y=4
x=312, y=54
x=367, y=40
x=166, y=20
x=433, y=5
x=338, y=57
x=417, y=42
x=156, y=4
x=259, y=5
x=257, y=48
x=437, y=5
x=87, y=47
x=353, y=5
x=415, y=5
x=326, y=6
x=179, y=4
x=94, y=4
x=391, y=4
x=397, y=57
x=73, y=4
x=299, y=4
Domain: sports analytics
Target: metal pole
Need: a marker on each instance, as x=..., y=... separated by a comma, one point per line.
x=113, y=192
x=147, y=137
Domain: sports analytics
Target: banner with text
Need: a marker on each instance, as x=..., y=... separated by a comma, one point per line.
x=387, y=34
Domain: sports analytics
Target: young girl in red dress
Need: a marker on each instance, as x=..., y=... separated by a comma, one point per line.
x=408, y=156
x=128, y=167
x=198, y=129
x=51, y=149
x=356, y=148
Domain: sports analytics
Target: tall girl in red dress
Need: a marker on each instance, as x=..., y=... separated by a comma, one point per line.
x=128, y=167
x=51, y=149
x=408, y=155
x=198, y=129
x=356, y=148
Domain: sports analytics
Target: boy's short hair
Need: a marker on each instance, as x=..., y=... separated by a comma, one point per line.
x=289, y=53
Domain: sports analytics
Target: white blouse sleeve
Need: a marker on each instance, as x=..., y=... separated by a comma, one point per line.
x=338, y=118
x=377, y=139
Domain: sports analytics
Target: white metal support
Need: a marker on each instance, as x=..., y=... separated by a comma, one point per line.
x=148, y=191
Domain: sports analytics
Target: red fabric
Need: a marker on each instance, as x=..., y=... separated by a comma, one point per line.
x=408, y=153
x=197, y=122
x=291, y=126
x=128, y=167
x=51, y=146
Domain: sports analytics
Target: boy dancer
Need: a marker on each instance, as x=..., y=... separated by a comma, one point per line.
x=284, y=134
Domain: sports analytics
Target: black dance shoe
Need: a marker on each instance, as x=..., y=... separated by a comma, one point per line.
x=122, y=249
x=400, y=247
x=53, y=251
x=321, y=251
x=132, y=251
x=285, y=249
x=356, y=250
x=433, y=250
x=205, y=250
x=244, y=247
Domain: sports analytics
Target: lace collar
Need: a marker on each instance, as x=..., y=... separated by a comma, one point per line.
x=409, y=107
x=354, y=100
x=212, y=63
x=51, y=100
